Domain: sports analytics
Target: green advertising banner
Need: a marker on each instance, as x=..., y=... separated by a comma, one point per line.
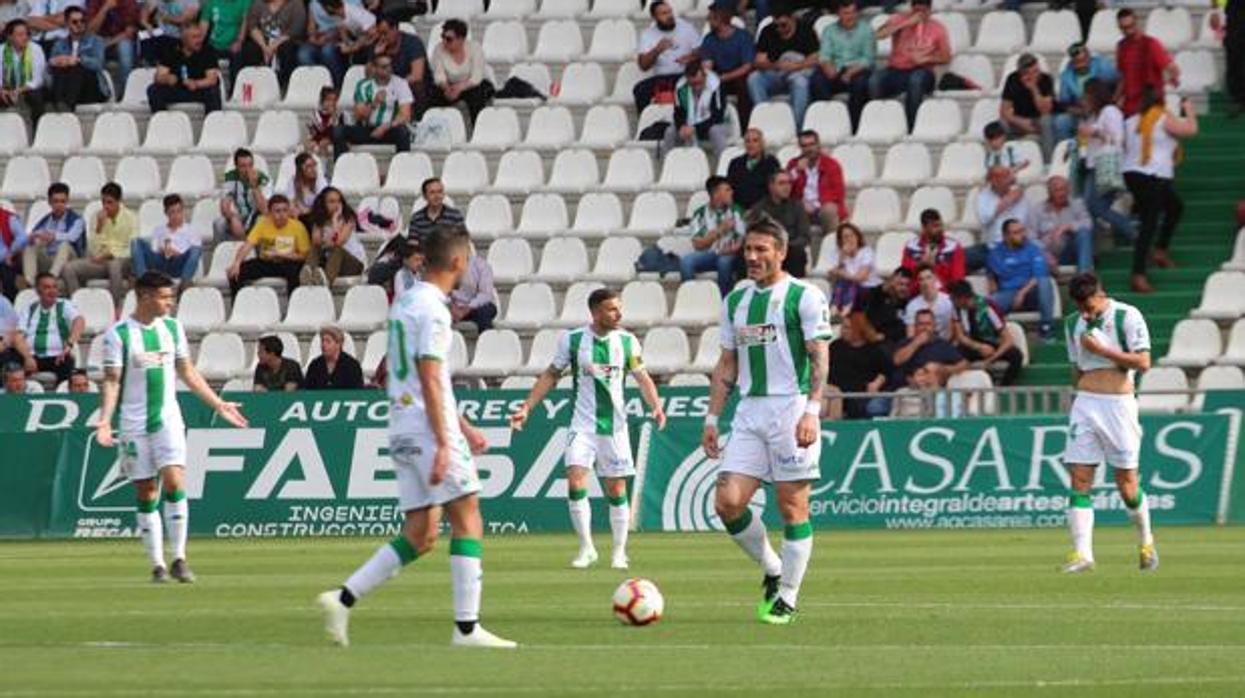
x=1230, y=403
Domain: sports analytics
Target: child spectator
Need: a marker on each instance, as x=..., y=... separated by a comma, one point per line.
x=999, y=151
x=320, y=127
x=852, y=270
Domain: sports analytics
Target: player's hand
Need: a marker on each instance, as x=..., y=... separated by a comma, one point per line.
x=709, y=442
x=103, y=434
x=232, y=412
x=519, y=418
x=440, y=465
x=807, y=431
x=476, y=440
x=659, y=416
x=1092, y=345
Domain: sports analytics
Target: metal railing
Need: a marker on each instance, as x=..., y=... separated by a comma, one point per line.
x=1004, y=401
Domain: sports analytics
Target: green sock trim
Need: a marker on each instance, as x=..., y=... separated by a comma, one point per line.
x=175, y=496
x=738, y=525
x=1135, y=503
x=406, y=552
x=619, y=501
x=148, y=507
x=576, y=495
x=798, y=531
x=1080, y=501
x=466, y=547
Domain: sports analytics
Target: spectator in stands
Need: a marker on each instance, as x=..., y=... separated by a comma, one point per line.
x=434, y=212
x=56, y=239
x=999, y=151
x=925, y=349
x=780, y=206
x=79, y=382
x=162, y=21
x=15, y=382
x=1082, y=67
x=410, y=256
x=848, y=54
x=1103, y=133
x=458, y=70
x=337, y=32
x=980, y=332
x=749, y=173
x=77, y=65
x=856, y=366
x=283, y=245
x=116, y=22
x=931, y=297
x=1231, y=24
x=1063, y=227
x=852, y=271
x=12, y=244
x=108, y=248
x=1017, y=269
x=699, y=112
x=174, y=247
x=1151, y=151
x=186, y=72
x=1028, y=107
x=335, y=246
x=51, y=328
x=935, y=249
x=274, y=373
x=46, y=21
x=225, y=22
x=666, y=45
x=274, y=28
x=1001, y=201
x=919, y=44
x=1143, y=62
x=323, y=122
x=475, y=298
x=305, y=185
x=727, y=51
x=245, y=199
x=11, y=345
x=382, y=111
x=333, y=369
x=785, y=58
x=24, y=70
x=817, y=182
x=406, y=52
x=884, y=310
x=717, y=230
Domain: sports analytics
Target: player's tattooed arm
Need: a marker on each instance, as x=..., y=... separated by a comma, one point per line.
x=819, y=368
x=723, y=381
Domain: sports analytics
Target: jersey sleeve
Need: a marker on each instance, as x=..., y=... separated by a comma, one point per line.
x=181, y=349
x=726, y=333
x=1074, y=347
x=562, y=354
x=114, y=351
x=71, y=311
x=1136, y=333
x=433, y=336
x=815, y=315
x=635, y=355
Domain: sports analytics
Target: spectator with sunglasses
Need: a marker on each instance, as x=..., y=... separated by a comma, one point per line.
x=458, y=70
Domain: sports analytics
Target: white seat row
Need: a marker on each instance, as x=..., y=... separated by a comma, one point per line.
x=1171, y=378
x=532, y=306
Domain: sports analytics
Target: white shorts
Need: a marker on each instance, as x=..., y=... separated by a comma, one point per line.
x=762, y=441
x=1104, y=428
x=143, y=456
x=412, y=457
x=608, y=454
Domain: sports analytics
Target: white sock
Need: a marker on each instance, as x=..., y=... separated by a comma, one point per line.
x=581, y=517
x=1140, y=516
x=749, y=533
x=152, y=533
x=177, y=521
x=386, y=562
x=620, y=523
x=467, y=573
x=797, y=548
x=1081, y=524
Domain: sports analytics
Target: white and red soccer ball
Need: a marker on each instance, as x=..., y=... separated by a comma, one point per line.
x=638, y=602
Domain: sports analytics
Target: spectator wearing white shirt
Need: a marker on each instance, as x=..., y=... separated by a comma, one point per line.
x=458, y=66
x=382, y=109
x=56, y=239
x=305, y=185
x=335, y=246
x=337, y=32
x=174, y=248
x=930, y=298
x=23, y=71
x=475, y=298
x=852, y=270
x=12, y=348
x=666, y=45
x=15, y=382
x=1001, y=201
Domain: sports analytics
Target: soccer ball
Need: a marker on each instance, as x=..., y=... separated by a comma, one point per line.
x=638, y=602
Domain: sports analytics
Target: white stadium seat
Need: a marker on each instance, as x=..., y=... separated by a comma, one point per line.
x=134, y=96
x=574, y=171
x=488, y=216
x=708, y=351
x=962, y=164
x=221, y=356
x=535, y=74
x=1237, y=263
x=653, y=213
x=562, y=8
x=696, y=304
x=575, y=306
x=858, y=163
x=550, y=127
x=882, y=121
x=374, y=351
x=497, y=353
x=1223, y=296
x=223, y=132
x=84, y=174
x=906, y=165
x=1000, y=33
x=1163, y=378
x=666, y=350
x=505, y=41
x=57, y=134
x=201, y=309
x=462, y=9
x=514, y=382
x=975, y=67
x=306, y=82
x=628, y=75
x=629, y=170
x=139, y=176
x=876, y=209
x=605, y=126
x=519, y=172
x=940, y=198
x=544, y=215
x=1197, y=71
x=937, y=121
x=889, y=251
x=616, y=260
x=169, y=132
x=191, y=176
x=830, y=120
x=278, y=131
x=114, y=133
x=984, y=111
x=407, y=171
x=255, y=87
x=1104, y=32
x=563, y=260
x=13, y=136
x=255, y=309
x=511, y=260
x=644, y=303
x=775, y=120
x=453, y=119
x=981, y=400
x=530, y=307
x=496, y=128
x=364, y=309
x=602, y=9
x=1054, y=31
x=96, y=307
x=958, y=32
x=1195, y=343
x=598, y=214
x=356, y=174
x=559, y=41
x=684, y=170
x=613, y=40
x=222, y=256
x=464, y=172
x=1171, y=26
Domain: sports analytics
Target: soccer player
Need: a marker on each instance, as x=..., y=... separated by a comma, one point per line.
x=774, y=335
x=431, y=447
x=598, y=356
x=144, y=355
x=1108, y=342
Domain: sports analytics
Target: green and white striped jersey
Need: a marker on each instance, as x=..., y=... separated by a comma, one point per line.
x=395, y=94
x=47, y=329
x=420, y=327
x=147, y=356
x=598, y=368
x=768, y=327
x=1120, y=327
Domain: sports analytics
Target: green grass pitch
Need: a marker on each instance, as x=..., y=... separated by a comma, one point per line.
x=979, y=613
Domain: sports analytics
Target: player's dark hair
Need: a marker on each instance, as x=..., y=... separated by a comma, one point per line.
x=443, y=244
x=276, y=199
x=423, y=186
x=1083, y=286
x=272, y=344
x=171, y=200
x=715, y=181
x=457, y=27
x=599, y=296
x=241, y=153
x=762, y=224
x=153, y=281
x=993, y=130
x=58, y=188
x=960, y=289
x=652, y=7
x=111, y=190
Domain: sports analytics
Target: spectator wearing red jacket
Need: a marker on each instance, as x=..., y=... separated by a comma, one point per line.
x=944, y=254
x=817, y=183
x=1142, y=62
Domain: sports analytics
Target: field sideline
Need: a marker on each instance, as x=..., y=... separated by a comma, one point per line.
x=978, y=613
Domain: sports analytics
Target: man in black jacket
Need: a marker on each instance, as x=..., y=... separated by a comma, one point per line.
x=749, y=173
x=699, y=111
